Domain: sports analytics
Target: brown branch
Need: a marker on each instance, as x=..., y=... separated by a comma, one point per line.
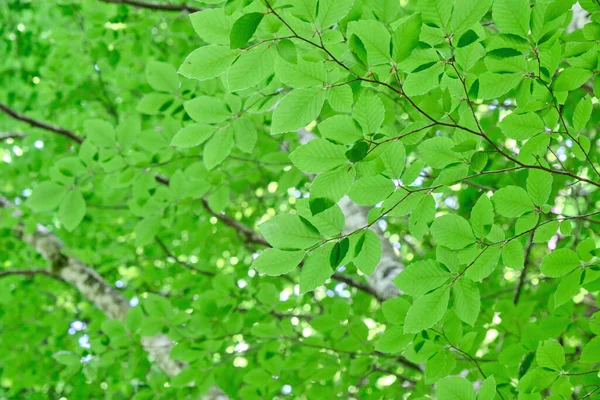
x=40, y=124
x=155, y=6
x=524, y=272
x=6, y=136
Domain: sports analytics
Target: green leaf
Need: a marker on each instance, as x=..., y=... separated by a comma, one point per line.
x=357, y=152
x=394, y=158
x=559, y=263
x=487, y=390
x=494, y=86
x=421, y=277
x=395, y=309
x=437, y=152
x=466, y=300
x=332, y=11
x=591, y=351
x=318, y=155
x=217, y=149
x=539, y=186
x=522, y=126
x=482, y=216
x=332, y=185
x=67, y=358
x=303, y=74
x=162, y=76
x=375, y=38
x=370, y=190
x=192, y=135
x=567, y=288
x=468, y=12
x=72, y=209
x=512, y=16
x=455, y=388
x=340, y=98
x=582, y=113
x=340, y=128
x=551, y=355
x=297, y=109
x=421, y=82
x=484, y=264
x=99, y=132
x=133, y=319
x=275, y=262
x=427, y=311
x=406, y=37
x=570, y=79
x=245, y=134
x=207, y=109
x=243, y=29
x=513, y=255
x=46, y=196
x=393, y=340
x=369, y=112
x=545, y=232
x=452, y=231
x=207, y=62
x=145, y=230
x=512, y=202
x=251, y=67
x=213, y=25
x=368, y=252
x=289, y=232
x=339, y=251
x=316, y=269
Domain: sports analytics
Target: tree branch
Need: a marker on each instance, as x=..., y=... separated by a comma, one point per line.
x=40, y=124
x=155, y=6
x=10, y=135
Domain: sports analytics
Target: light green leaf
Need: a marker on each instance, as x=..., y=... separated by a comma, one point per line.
x=570, y=79
x=297, y=109
x=452, y=231
x=340, y=128
x=275, y=262
x=467, y=300
x=487, y=390
x=207, y=109
x=332, y=11
x=551, y=355
x=368, y=252
x=303, y=74
x=512, y=202
x=316, y=269
x=46, y=196
x=340, y=98
x=512, y=16
x=591, y=351
x=513, y=255
x=99, y=132
x=522, y=126
x=162, y=76
x=455, y=388
x=539, y=186
x=369, y=112
x=494, y=86
x=212, y=25
x=192, y=135
x=251, y=67
x=375, y=38
x=468, y=12
x=332, y=185
x=421, y=277
x=427, y=311
x=437, y=152
x=393, y=340
x=207, y=62
x=72, y=209
x=289, y=231
x=582, y=113
x=482, y=216
x=370, y=190
x=567, y=288
x=560, y=262
x=217, y=149
x=406, y=37
x=318, y=155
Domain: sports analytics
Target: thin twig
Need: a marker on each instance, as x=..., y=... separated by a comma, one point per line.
x=155, y=6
